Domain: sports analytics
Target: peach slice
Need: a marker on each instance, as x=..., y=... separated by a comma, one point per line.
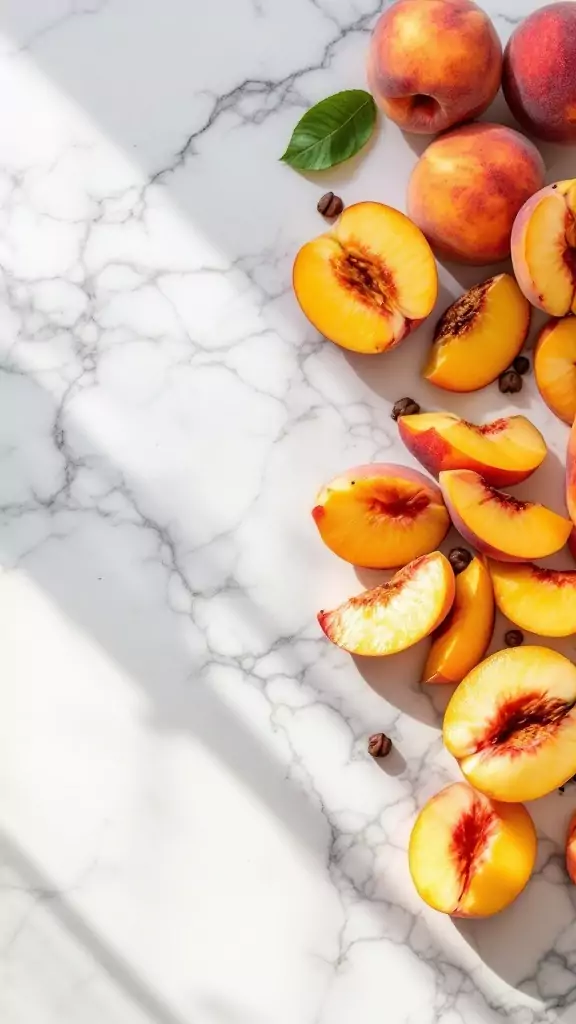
x=462, y=639
x=505, y=451
x=471, y=856
x=511, y=723
x=498, y=524
x=555, y=367
x=544, y=248
x=571, y=849
x=396, y=615
x=369, y=281
x=381, y=516
x=542, y=601
x=478, y=336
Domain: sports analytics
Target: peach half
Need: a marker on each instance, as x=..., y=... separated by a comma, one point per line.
x=571, y=849
x=555, y=367
x=511, y=723
x=470, y=856
x=544, y=248
x=542, y=601
x=381, y=516
x=479, y=335
x=368, y=282
x=462, y=639
x=396, y=615
x=504, y=452
x=498, y=524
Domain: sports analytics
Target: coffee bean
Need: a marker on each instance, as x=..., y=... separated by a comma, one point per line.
x=405, y=407
x=459, y=558
x=514, y=637
x=521, y=364
x=330, y=205
x=379, y=745
x=510, y=382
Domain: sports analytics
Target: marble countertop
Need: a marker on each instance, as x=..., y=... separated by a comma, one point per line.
x=191, y=829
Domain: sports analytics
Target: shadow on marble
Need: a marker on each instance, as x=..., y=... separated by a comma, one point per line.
x=393, y=680
x=111, y=961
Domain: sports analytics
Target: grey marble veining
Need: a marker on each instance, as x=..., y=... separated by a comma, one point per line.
x=191, y=831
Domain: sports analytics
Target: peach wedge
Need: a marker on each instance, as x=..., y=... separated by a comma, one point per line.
x=470, y=856
x=542, y=601
x=544, y=248
x=571, y=849
x=381, y=516
x=462, y=639
x=369, y=281
x=555, y=367
x=396, y=615
x=478, y=336
x=571, y=479
x=504, y=452
x=499, y=525
x=511, y=723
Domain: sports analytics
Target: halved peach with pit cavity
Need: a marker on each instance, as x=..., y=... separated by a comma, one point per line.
x=511, y=723
x=479, y=335
x=498, y=524
x=368, y=282
x=540, y=600
x=381, y=516
x=555, y=367
x=471, y=856
x=463, y=638
x=504, y=452
x=396, y=615
x=544, y=248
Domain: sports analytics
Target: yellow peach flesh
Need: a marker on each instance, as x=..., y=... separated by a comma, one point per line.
x=555, y=367
x=392, y=617
x=471, y=856
x=504, y=451
x=542, y=601
x=499, y=524
x=461, y=641
x=381, y=516
x=511, y=723
x=479, y=336
x=366, y=284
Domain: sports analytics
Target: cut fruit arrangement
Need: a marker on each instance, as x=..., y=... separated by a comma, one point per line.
x=476, y=195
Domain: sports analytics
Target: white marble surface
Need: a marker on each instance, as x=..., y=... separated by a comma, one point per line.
x=191, y=831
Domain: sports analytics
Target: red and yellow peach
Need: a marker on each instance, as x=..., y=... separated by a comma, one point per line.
x=539, y=73
x=467, y=188
x=433, y=64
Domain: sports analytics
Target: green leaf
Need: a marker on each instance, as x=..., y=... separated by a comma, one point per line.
x=332, y=131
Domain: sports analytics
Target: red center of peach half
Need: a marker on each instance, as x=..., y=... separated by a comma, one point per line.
x=470, y=856
x=370, y=281
x=381, y=516
x=503, y=452
x=497, y=523
x=396, y=615
x=540, y=600
x=512, y=723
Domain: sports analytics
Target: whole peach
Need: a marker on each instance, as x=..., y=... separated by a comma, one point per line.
x=434, y=63
x=539, y=75
x=467, y=188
